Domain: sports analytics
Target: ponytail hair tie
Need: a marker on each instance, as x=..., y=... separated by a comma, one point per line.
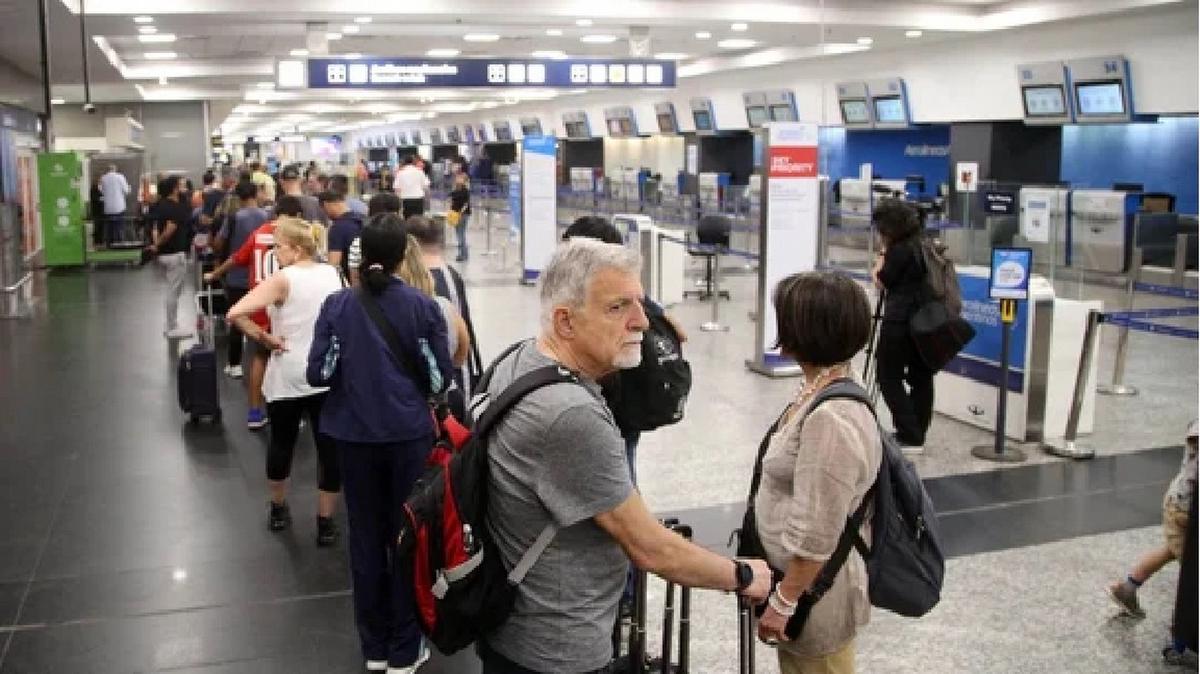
x=375, y=267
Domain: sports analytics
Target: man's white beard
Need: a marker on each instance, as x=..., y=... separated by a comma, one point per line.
x=629, y=357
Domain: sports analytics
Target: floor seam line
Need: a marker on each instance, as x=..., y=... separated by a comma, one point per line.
x=1044, y=499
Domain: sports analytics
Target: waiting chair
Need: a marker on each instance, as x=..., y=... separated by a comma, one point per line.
x=712, y=230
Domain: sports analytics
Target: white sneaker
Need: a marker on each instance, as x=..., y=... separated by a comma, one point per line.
x=233, y=371
x=377, y=665
x=178, y=333
x=422, y=658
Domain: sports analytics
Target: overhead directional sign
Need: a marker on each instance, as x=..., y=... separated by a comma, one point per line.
x=403, y=72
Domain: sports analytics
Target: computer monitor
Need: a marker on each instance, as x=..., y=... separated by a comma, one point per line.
x=855, y=112
x=1044, y=101
x=1100, y=99
x=666, y=122
x=703, y=120
x=783, y=113
x=756, y=115
x=890, y=110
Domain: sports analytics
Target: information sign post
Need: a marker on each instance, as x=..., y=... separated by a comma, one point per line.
x=1008, y=283
x=538, y=207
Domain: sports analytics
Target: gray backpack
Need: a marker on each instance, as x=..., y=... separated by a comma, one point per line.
x=941, y=276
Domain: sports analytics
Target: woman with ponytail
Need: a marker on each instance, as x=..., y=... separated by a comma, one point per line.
x=381, y=349
x=292, y=297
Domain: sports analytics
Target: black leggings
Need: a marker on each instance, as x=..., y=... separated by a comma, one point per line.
x=285, y=428
x=900, y=364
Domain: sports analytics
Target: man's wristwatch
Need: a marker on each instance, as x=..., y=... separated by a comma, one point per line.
x=743, y=574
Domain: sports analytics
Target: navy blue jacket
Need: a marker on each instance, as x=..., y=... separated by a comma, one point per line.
x=372, y=397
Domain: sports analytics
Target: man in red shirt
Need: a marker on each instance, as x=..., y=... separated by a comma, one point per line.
x=258, y=253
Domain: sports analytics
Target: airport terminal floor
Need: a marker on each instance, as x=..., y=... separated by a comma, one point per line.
x=131, y=541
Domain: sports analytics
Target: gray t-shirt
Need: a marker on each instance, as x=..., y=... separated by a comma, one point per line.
x=244, y=223
x=557, y=456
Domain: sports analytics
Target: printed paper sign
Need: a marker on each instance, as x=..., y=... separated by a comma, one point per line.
x=1010, y=273
x=966, y=175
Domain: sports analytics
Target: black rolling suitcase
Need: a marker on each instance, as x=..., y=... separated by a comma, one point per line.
x=636, y=660
x=1183, y=623
x=199, y=395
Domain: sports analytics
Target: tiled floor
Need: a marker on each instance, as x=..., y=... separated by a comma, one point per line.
x=131, y=542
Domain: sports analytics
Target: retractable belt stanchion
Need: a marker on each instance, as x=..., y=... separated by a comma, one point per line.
x=715, y=324
x=1118, y=386
x=1069, y=449
x=999, y=450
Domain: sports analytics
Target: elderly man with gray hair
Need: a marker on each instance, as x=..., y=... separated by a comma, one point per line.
x=557, y=459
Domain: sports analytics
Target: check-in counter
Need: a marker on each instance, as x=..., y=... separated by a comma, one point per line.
x=662, y=258
x=1043, y=362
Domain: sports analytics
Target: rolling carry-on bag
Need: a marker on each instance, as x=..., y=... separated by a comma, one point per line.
x=199, y=395
x=636, y=660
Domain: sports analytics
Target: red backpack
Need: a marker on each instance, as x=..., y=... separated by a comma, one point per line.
x=462, y=588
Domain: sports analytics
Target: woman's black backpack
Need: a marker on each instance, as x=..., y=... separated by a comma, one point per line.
x=654, y=393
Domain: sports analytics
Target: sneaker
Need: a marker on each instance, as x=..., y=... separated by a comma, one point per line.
x=422, y=658
x=280, y=516
x=327, y=532
x=908, y=448
x=178, y=333
x=377, y=665
x=233, y=371
x=255, y=419
x=1126, y=599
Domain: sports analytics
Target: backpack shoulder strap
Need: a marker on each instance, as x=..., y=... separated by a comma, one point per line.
x=385, y=327
x=523, y=386
x=486, y=378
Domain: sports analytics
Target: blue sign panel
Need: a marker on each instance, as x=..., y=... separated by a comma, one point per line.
x=980, y=358
x=1010, y=273
x=400, y=73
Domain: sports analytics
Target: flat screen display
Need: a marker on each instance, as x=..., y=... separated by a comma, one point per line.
x=855, y=112
x=614, y=127
x=782, y=113
x=890, y=110
x=627, y=127
x=483, y=136
x=703, y=120
x=452, y=135
x=378, y=154
x=666, y=123
x=416, y=137
x=503, y=132
x=756, y=115
x=531, y=129
x=435, y=137
x=470, y=133
x=325, y=148
x=1046, y=101
x=577, y=130
x=1100, y=99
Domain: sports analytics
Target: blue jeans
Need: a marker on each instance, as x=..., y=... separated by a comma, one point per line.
x=461, y=230
x=376, y=480
x=112, y=229
x=631, y=443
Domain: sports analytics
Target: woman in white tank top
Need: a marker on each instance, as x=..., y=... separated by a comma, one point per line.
x=293, y=297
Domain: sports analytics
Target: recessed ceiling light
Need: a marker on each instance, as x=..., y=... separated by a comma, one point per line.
x=736, y=43
x=865, y=41
x=350, y=29
x=703, y=35
x=738, y=27
x=443, y=53
x=579, y=91
x=143, y=19
x=159, y=38
x=57, y=101
x=159, y=55
x=265, y=85
x=583, y=23
x=670, y=56
x=298, y=52
x=362, y=19
x=353, y=56
x=333, y=36
x=598, y=39
x=481, y=37
x=554, y=32
x=549, y=54
x=162, y=81
x=147, y=30
x=912, y=33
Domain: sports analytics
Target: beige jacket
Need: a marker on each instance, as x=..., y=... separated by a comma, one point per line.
x=815, y=474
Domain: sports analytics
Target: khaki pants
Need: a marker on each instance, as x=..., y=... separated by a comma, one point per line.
x=840, y=662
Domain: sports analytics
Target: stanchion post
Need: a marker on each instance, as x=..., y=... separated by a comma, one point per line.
x=715, y=324
x=999, y=450
x=1179, y=271
x=1070, y=449
x=1118, y=386
x=658, y=266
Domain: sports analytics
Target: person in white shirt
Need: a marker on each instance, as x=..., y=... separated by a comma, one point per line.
x=412, y=186
x=293, y=298
x=114, y=187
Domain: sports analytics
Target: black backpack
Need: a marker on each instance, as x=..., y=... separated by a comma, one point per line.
x=905, y=564
x=461, y=587
x=654, y=393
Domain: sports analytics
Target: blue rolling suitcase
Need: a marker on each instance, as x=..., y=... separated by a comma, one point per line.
x=199, y=396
